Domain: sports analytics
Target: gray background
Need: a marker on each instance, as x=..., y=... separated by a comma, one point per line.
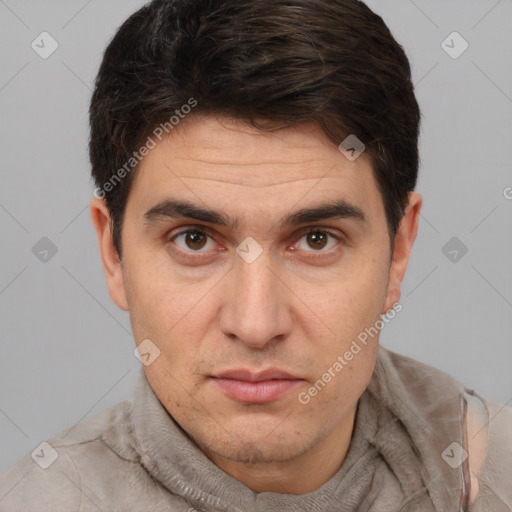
x=67, y=351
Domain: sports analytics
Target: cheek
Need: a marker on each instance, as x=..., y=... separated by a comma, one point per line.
x=164, y=309
x=328, y=399
x=175, y=313
x=348, y=303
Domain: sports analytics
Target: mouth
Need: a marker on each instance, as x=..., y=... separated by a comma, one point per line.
x=247, y=387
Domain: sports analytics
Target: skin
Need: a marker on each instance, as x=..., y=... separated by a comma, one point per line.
x=297, y=307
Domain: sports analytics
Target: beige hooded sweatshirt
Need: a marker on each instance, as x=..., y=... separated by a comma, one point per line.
x=414, y=429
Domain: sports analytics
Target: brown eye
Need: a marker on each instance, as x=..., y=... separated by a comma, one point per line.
x=195, y=240
x=317, y=239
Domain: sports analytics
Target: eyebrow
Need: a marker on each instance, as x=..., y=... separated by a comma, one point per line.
x=180, y=209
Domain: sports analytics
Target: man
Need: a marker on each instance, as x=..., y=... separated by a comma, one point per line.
x=255, y=165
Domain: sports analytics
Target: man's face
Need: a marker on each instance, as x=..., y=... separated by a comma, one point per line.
x=221, y=317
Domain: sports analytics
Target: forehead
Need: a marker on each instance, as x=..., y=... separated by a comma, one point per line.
x=223, y=147
x=225, y=162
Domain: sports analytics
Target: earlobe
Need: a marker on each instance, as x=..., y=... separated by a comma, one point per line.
x=112, y=267
x=404, y=240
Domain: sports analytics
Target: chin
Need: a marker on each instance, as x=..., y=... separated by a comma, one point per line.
x=253, y=449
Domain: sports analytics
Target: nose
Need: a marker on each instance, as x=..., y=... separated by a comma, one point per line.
x=256, y=309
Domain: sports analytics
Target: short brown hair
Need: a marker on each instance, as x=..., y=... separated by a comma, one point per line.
x=282, y=61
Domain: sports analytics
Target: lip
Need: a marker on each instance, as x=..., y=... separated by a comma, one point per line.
x=249, y=376
x=262, y=387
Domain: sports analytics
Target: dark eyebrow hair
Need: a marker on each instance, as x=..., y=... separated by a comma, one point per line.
x=338, y=209
x=175, y=209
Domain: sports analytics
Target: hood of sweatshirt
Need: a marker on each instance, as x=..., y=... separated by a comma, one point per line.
x=401, y=428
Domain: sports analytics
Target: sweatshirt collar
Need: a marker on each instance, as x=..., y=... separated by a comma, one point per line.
x=177, y=463
x=389, y=432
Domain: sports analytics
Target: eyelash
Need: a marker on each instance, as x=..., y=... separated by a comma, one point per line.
x=306, y=231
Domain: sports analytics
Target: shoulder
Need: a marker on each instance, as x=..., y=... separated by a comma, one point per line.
x=50, y=476
x=488, y=429
x=402, y=368
x=29, y=485
x=437, y=393
x=419, y=380
x=418, y=384
x=429, y=400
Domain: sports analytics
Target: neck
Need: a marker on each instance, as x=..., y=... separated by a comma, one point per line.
x=300, y=475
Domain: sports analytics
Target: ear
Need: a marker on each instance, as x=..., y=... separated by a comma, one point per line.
x=100, y=216
x=404, y=240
